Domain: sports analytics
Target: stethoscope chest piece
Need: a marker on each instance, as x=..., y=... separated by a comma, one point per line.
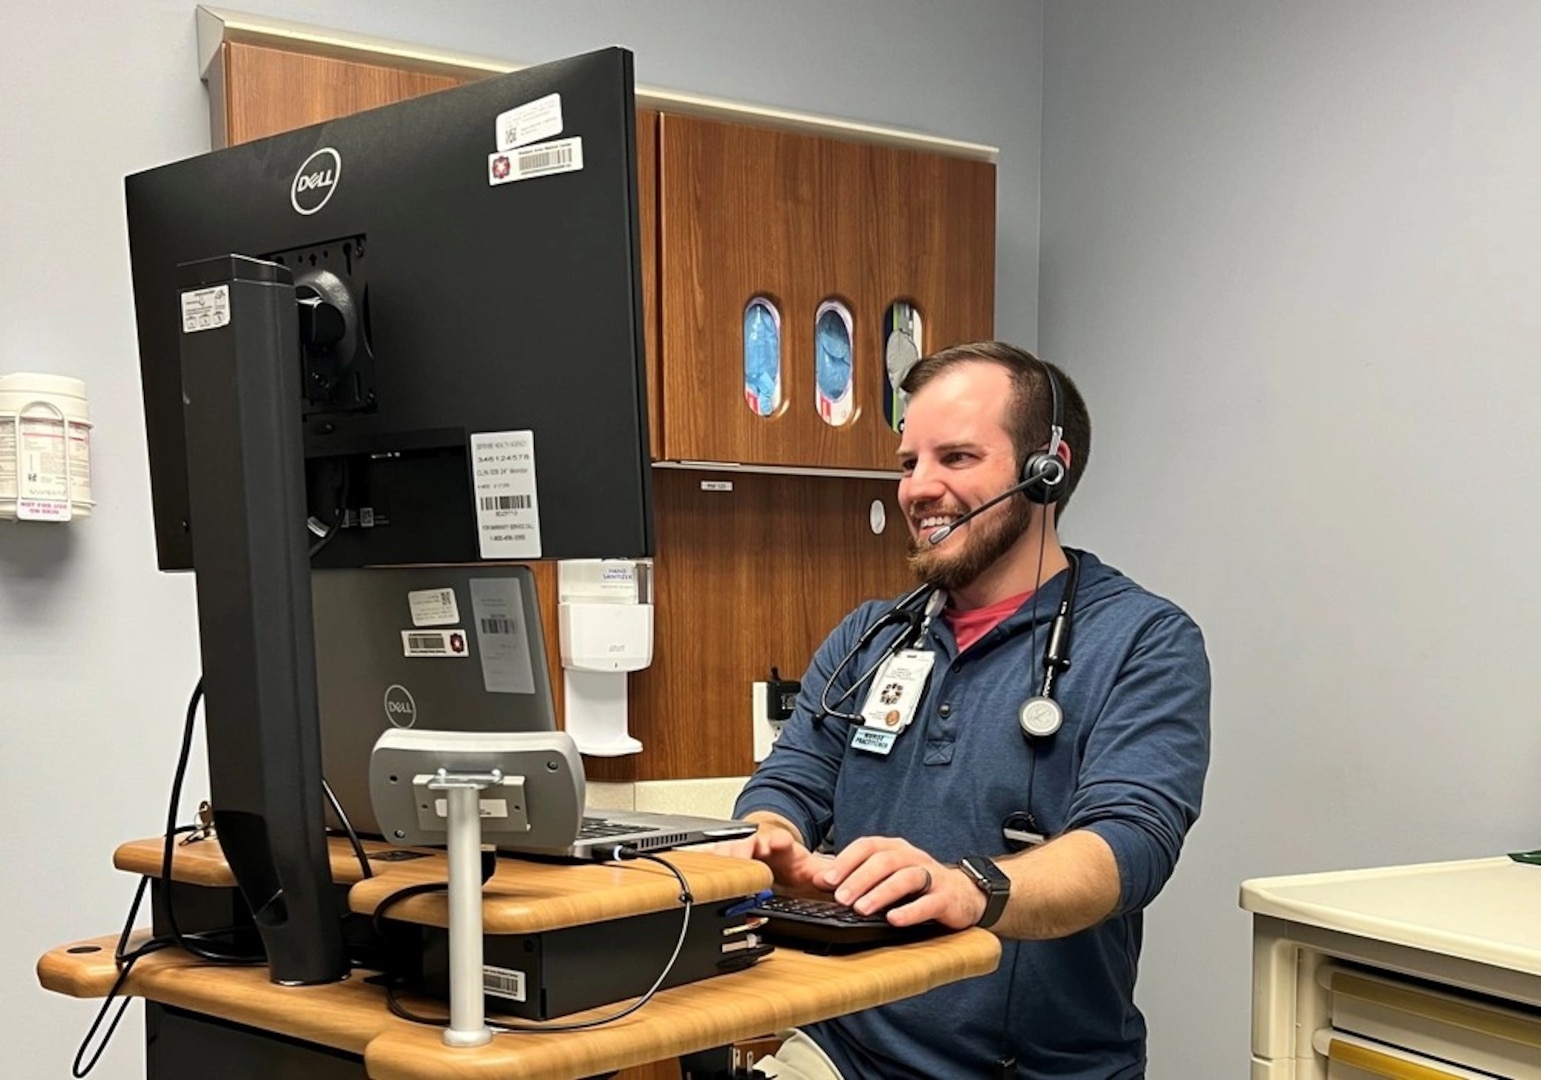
x=1040, y=716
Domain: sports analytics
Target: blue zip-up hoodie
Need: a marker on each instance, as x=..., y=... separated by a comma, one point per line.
x=1128, y=764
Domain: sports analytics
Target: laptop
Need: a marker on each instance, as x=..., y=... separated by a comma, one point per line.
x=455, y=648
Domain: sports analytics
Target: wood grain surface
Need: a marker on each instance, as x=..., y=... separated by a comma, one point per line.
x=785, y=989
x=522, y=897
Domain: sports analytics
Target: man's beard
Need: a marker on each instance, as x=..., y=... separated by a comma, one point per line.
x=984, y=541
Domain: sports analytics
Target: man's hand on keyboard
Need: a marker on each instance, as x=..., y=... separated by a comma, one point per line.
x=878, y=872
x=794, y=867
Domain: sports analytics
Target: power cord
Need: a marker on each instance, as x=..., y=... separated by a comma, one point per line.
x=622, y=852
x=125, y=963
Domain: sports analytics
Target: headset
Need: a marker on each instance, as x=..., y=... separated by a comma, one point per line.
x=1044, y=475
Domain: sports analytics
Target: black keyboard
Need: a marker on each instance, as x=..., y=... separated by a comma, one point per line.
x=594, y=828
x=825, y=926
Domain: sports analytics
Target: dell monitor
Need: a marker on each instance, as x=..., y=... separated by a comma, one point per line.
x=417, y=332
x=490, y=303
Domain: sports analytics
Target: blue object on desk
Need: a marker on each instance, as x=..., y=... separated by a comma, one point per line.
x=747, y=904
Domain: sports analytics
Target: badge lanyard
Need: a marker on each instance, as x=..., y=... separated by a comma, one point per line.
x=915, y=611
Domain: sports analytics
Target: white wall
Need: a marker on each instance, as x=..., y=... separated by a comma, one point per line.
x=98, y=651
x=1292, y=252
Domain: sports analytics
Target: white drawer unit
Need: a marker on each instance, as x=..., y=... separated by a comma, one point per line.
x=1402, y=973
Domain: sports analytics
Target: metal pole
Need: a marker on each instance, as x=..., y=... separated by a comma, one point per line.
x=467, y=1015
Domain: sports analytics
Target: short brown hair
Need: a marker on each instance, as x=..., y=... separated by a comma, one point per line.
x=1030, y=411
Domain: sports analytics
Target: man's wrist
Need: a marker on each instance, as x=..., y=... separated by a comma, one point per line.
x=975, y=904
x=991, y=884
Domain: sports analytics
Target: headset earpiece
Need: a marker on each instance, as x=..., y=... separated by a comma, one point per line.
x=1044, y=478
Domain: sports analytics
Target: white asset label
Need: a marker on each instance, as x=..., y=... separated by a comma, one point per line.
x=503, y=982
x=434, y=643
x=489, y=808
x=540, y=119
x=528, y=162
x=433, y=607
x=205, y=309
x=507, y=513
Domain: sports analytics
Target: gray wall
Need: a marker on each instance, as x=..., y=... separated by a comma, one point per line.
x=1292, y=252
x=98, y=652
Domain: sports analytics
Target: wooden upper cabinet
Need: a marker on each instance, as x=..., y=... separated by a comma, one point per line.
x=800, y=220
x=256, y=91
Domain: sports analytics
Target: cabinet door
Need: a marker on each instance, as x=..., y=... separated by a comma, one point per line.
x=799, y=220
x=256, y=91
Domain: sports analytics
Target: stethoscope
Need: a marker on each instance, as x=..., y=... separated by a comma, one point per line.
x=1040, y=716
x=915, y=610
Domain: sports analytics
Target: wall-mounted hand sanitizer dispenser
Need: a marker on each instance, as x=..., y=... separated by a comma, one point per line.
x=605, y=623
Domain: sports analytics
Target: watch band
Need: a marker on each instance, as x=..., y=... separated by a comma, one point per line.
x=991, y=881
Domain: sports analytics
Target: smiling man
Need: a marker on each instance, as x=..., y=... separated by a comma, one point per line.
x=1045, y=799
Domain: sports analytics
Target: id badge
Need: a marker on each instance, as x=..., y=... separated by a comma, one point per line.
x=896, y=691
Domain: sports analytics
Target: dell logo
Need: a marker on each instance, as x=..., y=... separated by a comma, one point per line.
x=315, y=181
x=400, y=709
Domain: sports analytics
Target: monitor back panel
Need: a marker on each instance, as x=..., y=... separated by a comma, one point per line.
x=494, y=312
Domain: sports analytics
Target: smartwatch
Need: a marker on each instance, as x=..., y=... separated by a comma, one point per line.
x=989, y=879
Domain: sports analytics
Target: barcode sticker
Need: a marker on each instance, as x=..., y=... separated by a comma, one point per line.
x=503, y=982
x=433, y=607
x=528, y=162
x=507, y=502
x=434, y=643
x=531, y=122
x=507, y=509
x=497, y=604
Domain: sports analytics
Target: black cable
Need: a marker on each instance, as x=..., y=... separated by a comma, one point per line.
x=125, y=963
x=622, y=853
x=342, y=513
x=192, y=943
x=347, y=826
x=1011, y=981
x=78, y=1070
x=378, y=916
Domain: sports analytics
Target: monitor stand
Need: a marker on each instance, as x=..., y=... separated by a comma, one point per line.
x=242, y=402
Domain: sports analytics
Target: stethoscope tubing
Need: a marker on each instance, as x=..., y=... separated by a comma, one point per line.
x=906, y=610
